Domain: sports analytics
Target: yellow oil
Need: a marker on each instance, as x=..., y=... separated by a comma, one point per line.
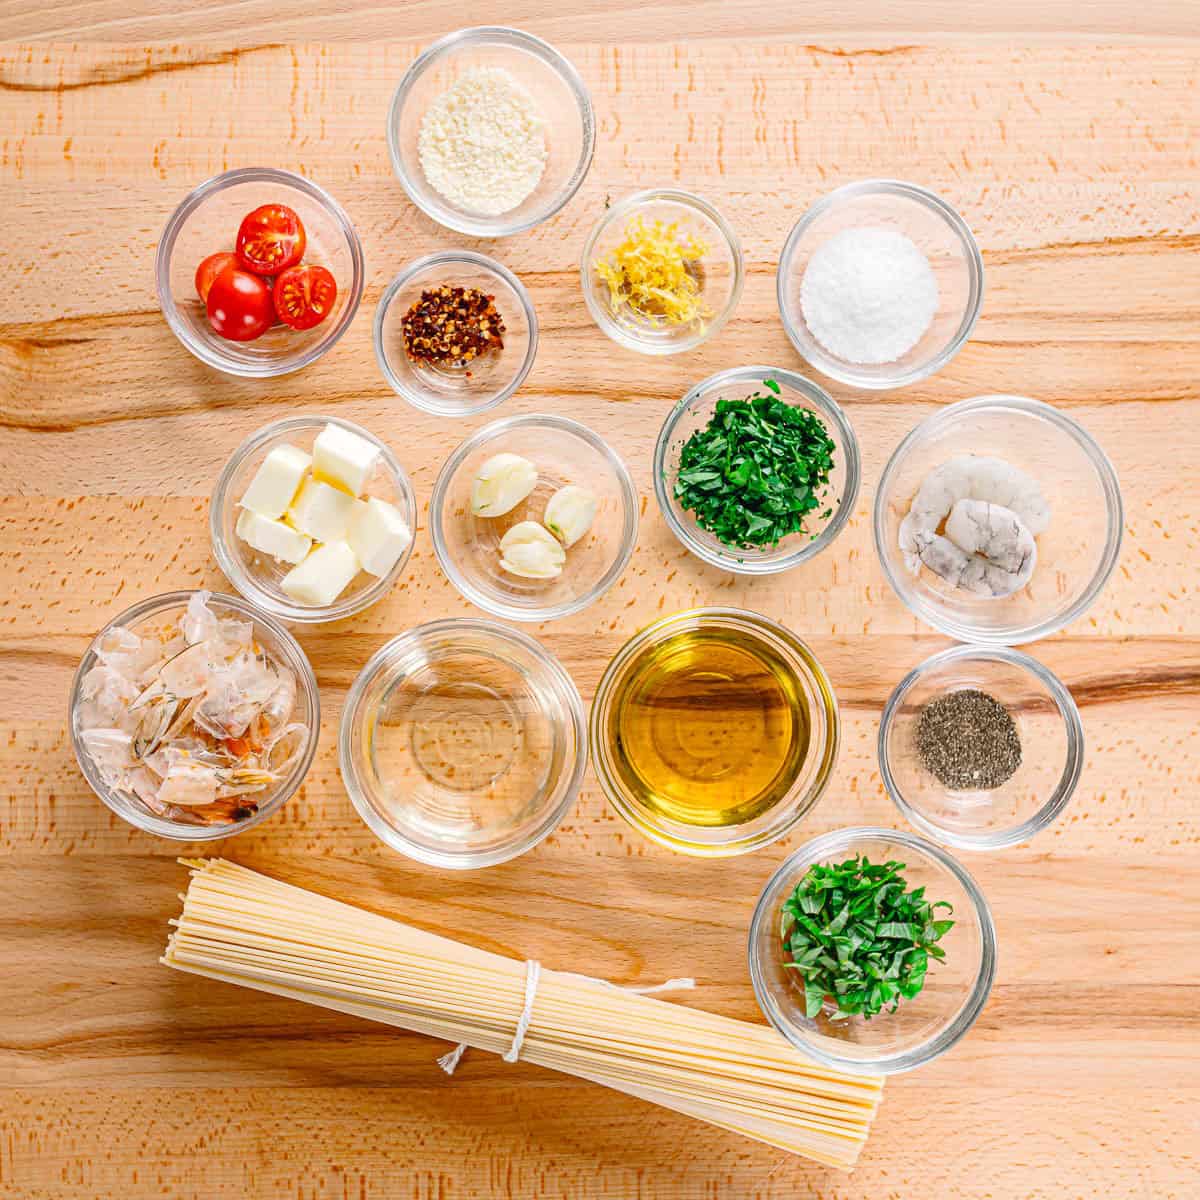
x=709, y=727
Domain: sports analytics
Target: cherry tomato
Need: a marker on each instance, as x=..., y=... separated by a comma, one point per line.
x=304, y=296
x=210, y=268
x=239, y=305
x=270, y=239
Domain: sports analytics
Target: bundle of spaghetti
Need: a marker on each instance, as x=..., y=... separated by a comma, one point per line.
x=242, y=927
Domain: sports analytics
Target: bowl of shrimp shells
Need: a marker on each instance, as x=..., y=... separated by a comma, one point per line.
x=998, y=520
x=194, y=716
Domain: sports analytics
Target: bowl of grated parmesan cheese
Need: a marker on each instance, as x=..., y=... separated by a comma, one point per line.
x=491, y=131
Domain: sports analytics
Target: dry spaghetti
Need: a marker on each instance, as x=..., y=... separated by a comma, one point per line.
x=242, y=927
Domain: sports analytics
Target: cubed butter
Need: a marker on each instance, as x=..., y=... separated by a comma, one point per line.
x=272, y=537
x=344, y=459
x=321, y=511
x=323, y=576
x=276, y=482
x=378, y=535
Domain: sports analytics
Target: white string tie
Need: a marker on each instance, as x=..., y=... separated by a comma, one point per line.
x=533, y=973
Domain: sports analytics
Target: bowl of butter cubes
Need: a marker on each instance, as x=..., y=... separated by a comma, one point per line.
x=312, y=519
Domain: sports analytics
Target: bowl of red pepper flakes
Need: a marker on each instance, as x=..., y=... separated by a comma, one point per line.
x=455, y=333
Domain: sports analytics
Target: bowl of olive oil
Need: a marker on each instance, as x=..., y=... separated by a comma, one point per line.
x=714, y=731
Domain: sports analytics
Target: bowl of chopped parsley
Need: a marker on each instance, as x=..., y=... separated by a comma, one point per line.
x=756, y=470
x=872, y=950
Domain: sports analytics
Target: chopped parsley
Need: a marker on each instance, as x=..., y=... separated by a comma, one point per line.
x=756, y=471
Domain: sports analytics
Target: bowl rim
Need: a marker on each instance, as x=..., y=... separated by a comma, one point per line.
x=840, y=841
x=358, y=794
x=635, y=817
x=1032, y=631
x=849, y=373
x=828, y=407
x=481, y=437
x=1050, y=811
x=306, y=682
x=492, y=227
x=241, y=579
x=438, y=258
x=268, y=368
x=623, y=208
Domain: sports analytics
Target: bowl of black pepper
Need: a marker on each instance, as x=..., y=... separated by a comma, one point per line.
x=981, y=747
x=455, y=333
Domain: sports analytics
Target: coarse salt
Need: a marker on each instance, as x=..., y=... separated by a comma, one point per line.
x=868, y=295
x=482, y=143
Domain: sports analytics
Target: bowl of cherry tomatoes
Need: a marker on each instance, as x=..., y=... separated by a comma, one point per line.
x=259, y=272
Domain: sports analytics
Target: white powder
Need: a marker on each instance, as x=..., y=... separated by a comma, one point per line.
x=482, y=143
x=868, y=295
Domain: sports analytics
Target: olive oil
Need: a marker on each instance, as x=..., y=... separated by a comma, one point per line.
x=709, y=727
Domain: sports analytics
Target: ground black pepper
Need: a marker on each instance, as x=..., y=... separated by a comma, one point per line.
x=450, y=326
x=967, y=739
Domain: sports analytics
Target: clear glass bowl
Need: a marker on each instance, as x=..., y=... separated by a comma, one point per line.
x=936, y=229
x=720, y=272
x=468, y=547
x=812, y=772
x=258, y=576
x=463, y=743
x=558, y=92
x=694, y=412
x=484, y=382
x=1048, y=725
x=1076, y=553
x=955, y=991
x=207, y=221
x=278, y=643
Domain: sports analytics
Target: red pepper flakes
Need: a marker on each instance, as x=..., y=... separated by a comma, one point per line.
x=450, y=326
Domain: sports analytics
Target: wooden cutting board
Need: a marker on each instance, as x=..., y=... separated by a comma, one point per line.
x=1077, y=166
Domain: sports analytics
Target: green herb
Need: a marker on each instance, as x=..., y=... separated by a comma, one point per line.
x=754, y=473
x=859, y=938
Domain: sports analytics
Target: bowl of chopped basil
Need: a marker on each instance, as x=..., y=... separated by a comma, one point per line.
x=756, y=470
x=872, y=950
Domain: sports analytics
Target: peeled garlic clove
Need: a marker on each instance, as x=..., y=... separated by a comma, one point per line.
x=531, y=551
x=570, y=513
x=501, y=484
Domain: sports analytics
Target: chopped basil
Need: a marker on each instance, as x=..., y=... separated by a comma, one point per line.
x=859, y=938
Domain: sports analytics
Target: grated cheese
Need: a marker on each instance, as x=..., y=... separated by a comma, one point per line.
x=482, y=143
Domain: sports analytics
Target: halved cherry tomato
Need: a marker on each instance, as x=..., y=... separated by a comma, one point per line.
x=270, y=239
x=210, y=268
x=304, y=296
x=239, y=305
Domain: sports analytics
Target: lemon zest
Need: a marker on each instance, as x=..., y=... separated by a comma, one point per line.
x=653, y=271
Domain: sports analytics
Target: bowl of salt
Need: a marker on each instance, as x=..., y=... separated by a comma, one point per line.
x=880, y=284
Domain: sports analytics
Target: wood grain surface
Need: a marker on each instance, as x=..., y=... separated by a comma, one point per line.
x=1077, y=166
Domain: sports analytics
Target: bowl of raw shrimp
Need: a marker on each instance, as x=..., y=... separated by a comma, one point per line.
x=998, y=520
x=194, y=716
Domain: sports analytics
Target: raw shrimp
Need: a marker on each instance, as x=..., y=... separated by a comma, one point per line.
x=163, y=714
x=992, y=512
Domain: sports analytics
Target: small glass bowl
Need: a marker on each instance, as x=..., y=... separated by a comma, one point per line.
x=558, y=92
x=936, y=229
x=258, y=576
x=812, y=772
x=1076, y=553
x=695, y=411
x=484, y=382
x=1048, y=725
x=207, y=221
x=955, y=991
x=277, y=642
x=463, y=743
x=720, y=272
x=468, y=547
